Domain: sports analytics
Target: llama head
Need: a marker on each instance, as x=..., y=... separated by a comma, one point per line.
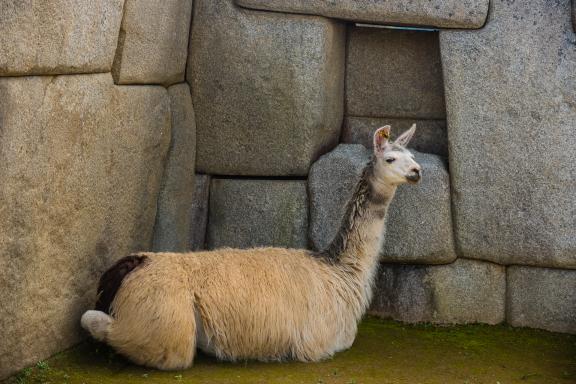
x=394, y=163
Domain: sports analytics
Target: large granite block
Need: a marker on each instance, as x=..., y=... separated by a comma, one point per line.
x=511, y=100
x=253, y=213
x=267, y=89
x=431, y=136
x=466, y=291
x=152, y=47
x=393, y=73
x=173, y=223
x=436, y=13
x=58, y=36
x=419, y=222
x=542, y=298
x=82, y=162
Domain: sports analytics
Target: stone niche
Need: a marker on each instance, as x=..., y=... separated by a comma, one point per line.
x=395, y=77
x=267, y=89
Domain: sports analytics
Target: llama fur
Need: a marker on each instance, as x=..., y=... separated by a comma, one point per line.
x=268, y=304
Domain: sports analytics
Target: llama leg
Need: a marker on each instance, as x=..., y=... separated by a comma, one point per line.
x=97, y=323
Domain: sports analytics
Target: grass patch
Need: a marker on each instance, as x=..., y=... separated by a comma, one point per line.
x=385, y=352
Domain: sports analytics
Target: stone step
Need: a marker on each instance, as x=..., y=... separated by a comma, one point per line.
x=466, y=291
x=542, y=298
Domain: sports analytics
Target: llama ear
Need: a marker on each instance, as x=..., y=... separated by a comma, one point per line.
x=405, y=138
x=381, y=137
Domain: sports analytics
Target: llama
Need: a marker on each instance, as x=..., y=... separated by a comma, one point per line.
x=268, y=304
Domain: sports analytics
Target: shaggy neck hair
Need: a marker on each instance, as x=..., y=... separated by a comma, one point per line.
x=355, y=249
x=365, y=211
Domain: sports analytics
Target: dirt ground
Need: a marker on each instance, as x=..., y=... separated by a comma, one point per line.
x=385, y=352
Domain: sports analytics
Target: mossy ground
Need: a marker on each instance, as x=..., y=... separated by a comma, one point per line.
x=384, y=352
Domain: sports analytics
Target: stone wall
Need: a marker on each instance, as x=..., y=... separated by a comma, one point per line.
x=134, y=124
x=87, y=156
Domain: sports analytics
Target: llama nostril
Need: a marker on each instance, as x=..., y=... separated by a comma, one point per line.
x=416, y=170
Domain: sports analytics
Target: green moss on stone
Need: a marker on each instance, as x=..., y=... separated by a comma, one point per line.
x=384, y=352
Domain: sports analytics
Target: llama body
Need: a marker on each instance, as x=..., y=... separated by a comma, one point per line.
x=265, y=303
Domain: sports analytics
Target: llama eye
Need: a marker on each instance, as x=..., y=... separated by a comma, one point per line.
x=390, y=160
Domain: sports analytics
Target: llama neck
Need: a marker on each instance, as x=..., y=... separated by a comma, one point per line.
x=357, y=245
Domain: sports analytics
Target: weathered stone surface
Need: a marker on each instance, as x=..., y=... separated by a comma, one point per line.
x=392, y=73
x=431, y=136
x=199, y=213
x=58, y=36
x=436, y=13
x=542, y=298
x=177, y=192
x=267, y=89
x=251, y=213
x=511, y=98
x=466, y=291
x=152, y=47
x=574, y=15
x=82, y=162
x=419, y=223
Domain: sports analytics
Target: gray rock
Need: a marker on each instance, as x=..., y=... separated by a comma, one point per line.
x=431, y=136
x=199, y=213
x=511, y=99
x=419, y=222
x=331, y=183
x=466, y=291
x=542, y=298
x=82, y=162
x=152, y=47
x=251, y=213
x=419, y=225
x=392, y=73
x=267, y=89
x=172, y=227
x=436, y=13
x=59, y=36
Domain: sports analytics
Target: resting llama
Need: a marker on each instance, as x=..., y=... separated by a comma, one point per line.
x=266, y=304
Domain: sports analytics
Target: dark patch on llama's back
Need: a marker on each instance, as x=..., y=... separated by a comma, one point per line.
x=112, y=279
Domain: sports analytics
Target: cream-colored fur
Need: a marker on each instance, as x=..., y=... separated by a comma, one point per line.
x=266, y=303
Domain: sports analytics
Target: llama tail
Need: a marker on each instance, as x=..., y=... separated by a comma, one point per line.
x=97, y=323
